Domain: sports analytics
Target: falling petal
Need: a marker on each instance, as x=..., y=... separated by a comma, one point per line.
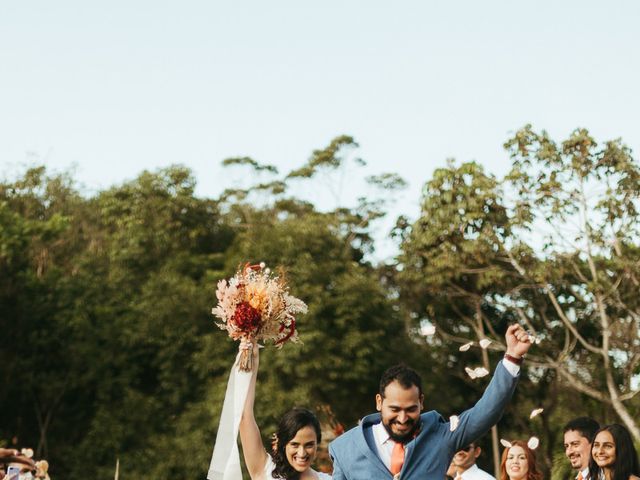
x=454, y=421
x=427, y=330
x=484, y=343
x=533, y=443
x=27, y=452
x=465, y=347
x=471, y=372
x=481, y=372
x=536, y=412
x=505, y=443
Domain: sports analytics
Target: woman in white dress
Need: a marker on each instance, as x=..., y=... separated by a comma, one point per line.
x=298, y=437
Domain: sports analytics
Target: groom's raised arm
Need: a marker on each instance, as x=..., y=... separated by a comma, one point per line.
x=475, y=422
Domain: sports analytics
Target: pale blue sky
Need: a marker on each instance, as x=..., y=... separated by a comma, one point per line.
x=120, y=86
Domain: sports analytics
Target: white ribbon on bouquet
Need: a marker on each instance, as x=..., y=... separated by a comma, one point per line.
x=225, y=460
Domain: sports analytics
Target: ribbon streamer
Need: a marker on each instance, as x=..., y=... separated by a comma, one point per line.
x=225, y=460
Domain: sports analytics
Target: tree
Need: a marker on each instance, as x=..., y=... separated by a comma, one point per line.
x=554, y=246
x=451, y=264
x=585, y=199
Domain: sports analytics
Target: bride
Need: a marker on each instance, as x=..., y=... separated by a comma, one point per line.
x=297, y=440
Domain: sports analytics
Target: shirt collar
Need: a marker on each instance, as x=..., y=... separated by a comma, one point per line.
x=472, y=468
x=380, y=434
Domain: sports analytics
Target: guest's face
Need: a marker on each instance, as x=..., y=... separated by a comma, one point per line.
x=577, y=449
x=604, y=449
x=301, y=450
x=517, y=464
x=465, y=458
x=400, y=410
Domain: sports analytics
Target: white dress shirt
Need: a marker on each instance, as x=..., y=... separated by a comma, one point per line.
x=584, y=472
x=384, y=443
x=474, y=473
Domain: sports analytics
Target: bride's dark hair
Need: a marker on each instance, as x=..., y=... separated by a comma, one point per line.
x=290, y=423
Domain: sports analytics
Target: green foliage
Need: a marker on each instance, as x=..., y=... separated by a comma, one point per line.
x=326, y=158
x=110, y=351
x=109, y=299
x=553, y=246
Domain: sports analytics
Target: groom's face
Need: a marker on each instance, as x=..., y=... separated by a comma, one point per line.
x=400, y=410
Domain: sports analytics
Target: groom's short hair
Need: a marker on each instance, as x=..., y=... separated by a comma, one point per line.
x=406, y=376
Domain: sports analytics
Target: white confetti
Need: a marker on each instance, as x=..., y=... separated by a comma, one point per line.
x=536, y=412
x=477, y=372
x=465, y=347
x=533, y=443
x=27, y=452
x=427, y=330
x=484, y=343
x=454, y=421
x=505, y=443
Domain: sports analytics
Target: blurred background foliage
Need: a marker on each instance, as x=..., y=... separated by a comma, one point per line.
x=110, y=351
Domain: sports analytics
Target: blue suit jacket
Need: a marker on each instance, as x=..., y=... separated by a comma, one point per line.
x=427, y=456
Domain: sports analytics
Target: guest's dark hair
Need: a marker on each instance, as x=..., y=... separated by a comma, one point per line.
x=586, y=426
x=404, y=375
x=533, y=472
x=626, y=462
x=290, y=423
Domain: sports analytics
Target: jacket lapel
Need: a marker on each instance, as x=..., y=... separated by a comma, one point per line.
x=366, y=443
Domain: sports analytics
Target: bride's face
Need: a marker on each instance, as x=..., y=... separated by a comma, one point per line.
x=517, y=464
x=301, y=450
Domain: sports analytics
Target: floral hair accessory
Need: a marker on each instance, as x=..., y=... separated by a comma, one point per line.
x=42, y=469
x=532, y=443
x=255, y=305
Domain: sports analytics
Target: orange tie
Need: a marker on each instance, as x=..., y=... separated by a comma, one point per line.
x=579, y=476
x=397, y=458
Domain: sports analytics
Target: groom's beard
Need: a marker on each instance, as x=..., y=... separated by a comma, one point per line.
x=408, y=435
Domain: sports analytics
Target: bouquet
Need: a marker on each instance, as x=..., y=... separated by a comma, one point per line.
x=256, y=306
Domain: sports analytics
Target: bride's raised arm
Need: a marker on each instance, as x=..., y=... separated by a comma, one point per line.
x=255, y=456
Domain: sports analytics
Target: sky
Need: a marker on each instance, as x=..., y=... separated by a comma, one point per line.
x=109, y=89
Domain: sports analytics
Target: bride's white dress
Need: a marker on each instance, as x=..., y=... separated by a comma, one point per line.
x=270, y=466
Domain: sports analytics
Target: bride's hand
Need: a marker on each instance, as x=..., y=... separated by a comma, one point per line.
x=245, y=344
x=252, y=348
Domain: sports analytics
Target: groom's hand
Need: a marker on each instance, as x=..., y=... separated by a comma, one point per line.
x=518, y=341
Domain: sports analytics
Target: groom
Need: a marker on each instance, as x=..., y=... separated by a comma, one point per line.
x=401, y=443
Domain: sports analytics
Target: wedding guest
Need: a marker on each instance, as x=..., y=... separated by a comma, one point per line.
x=465, y=464
x=519, y=463
x=379, y=446
x=452, y=472
x=296, y=443
x=27, y=470
x=578, y=437
x=13, y=457
x=613, y=455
